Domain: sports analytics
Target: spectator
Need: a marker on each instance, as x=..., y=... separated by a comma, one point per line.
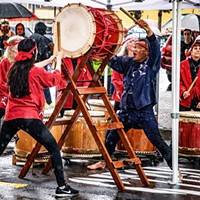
x=71, y=65
x=189, y=70
x=45, y=50
x=5, y=33
x=96, y=64
x=186, y=43
x=20, y=29
x=5, y=64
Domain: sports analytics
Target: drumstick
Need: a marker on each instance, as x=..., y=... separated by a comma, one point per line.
x=58, y=43
x=130, y=27
x=58, y=36
x=191, y=86
x=130, y=16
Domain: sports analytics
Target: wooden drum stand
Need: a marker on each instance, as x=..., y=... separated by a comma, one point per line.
x=81, y=96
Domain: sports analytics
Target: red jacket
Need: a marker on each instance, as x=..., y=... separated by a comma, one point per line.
x=4, y=68
x=32, y=106
x=117, y=80
x=185, y=82
x=85, y=75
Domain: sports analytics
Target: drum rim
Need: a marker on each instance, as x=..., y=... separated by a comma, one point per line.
x=87, y=45
x=120, y=27
x=69, y=113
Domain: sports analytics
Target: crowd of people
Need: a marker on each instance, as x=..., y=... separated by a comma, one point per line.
x=25, y=78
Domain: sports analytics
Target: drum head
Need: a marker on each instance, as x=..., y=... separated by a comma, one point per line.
x=77, y=29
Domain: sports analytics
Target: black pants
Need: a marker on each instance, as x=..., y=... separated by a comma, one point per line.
x=140, y=119
x=2, y=113
x=40, y=133
x=47, y=92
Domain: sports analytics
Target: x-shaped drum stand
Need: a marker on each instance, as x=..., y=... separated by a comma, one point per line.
x=81, y=95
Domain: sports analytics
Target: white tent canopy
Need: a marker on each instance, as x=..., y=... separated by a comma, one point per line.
x=126, y=4
x=159, y=5
x=60, y=3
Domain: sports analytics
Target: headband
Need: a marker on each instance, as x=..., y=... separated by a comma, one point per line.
x=22, y=55
x=141, y=44
x=10, y=44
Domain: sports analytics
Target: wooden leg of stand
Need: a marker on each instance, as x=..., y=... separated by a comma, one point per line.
x=132, y=154
x=30, y=160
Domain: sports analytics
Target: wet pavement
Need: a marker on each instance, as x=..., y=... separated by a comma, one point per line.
x=98, y=184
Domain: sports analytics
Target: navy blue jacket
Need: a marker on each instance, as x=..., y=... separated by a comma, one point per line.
x=139, y=77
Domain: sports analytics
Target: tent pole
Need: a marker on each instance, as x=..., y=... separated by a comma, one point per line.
x=175, y=86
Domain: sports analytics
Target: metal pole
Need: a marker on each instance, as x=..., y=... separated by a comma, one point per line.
x=175, y=86
x=109, y=7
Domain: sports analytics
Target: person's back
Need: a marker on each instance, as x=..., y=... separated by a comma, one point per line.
x=43, y=43
x=45, y=51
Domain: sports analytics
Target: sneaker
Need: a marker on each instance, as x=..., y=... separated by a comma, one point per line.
x=66, y=192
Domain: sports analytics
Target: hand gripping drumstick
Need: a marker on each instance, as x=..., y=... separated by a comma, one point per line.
x=191, y=86
x=58, y=43
x=130, y=16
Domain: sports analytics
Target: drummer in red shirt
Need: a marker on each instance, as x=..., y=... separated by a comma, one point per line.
x=5, y=64
x=25, y=107
x=83, y=80
x=190, y=79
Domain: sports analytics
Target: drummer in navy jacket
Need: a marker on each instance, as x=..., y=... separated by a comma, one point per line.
x=138, y=98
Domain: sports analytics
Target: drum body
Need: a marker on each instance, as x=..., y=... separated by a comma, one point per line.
x=84, y=27
x=139, y=142
x=98, y=105
x=25, y=143
x=189, y=134
x=80, y=141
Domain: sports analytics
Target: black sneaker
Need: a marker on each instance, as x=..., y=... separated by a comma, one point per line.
x=66, y=192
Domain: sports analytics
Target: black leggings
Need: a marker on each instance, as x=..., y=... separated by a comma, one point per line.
x=36, y=129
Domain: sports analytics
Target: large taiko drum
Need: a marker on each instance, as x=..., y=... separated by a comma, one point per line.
x=139, y=142
x=80, y=141
x=84, y=27
x=189, y=134
x=98, y=105
x=25, y=143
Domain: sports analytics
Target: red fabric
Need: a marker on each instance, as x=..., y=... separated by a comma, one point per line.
x=22, y=55
x=117, y=80
x=85, y=75
x=4, y=68
x=186, y=81
x=32, y=106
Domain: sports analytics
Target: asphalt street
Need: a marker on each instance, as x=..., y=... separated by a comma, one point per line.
x=98, y=184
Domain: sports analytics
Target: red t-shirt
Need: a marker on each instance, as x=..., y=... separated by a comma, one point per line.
x=32, y=106
x=4, y=68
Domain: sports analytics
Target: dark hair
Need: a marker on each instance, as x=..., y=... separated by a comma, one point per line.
x=20, y=24
x=187, y=29
x=18, y=74
x=40, y=28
